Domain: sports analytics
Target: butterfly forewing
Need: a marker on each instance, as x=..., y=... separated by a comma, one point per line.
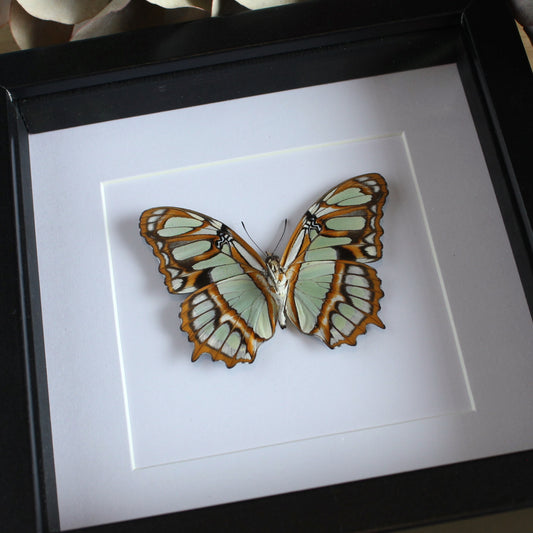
x=343, y=224
x=194, y=249
x=332, y=293
x=230, y=311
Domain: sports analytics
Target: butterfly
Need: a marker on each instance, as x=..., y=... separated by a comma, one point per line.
x=322, y=282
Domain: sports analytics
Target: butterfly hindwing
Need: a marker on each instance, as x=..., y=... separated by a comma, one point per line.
x=332, y=293
x=334, y=300
x=230, y=319
x=230, y=311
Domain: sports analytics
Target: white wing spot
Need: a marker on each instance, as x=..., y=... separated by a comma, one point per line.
x=153, y=218
x=202, y=307
x=353, y=315
x=232, y=344
x=241, y=353
x=177, y=284
x=352, y=269
x=344, y=326
x=335, y=336
x=363, y=305
x=359, y=292
x=205, y=332
x=203, y=319
x=356, y=281
x=219, y=336
x=199, y=298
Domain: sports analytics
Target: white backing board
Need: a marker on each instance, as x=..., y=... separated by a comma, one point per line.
x=140, y=430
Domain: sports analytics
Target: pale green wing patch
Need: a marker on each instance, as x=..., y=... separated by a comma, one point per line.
x=229, y=319
x=353, y=223
x=334, y=300
x=194, y=249
x=178, y=226
x=343, y=224
x=190, y=250
x=309, y=292
x=352, y=196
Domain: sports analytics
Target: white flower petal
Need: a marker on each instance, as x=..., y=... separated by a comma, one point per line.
x=173, y=4
x=30, y=32
x=260, y=4
x=226, y=7
x=64, y=11
x=523, y=11
x=98, y=25
x=135, y=15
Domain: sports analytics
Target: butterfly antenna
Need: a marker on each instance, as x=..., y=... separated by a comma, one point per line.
x=251, y=238
x=282, y=235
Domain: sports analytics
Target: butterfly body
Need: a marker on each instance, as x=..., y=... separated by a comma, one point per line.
x=321, y=283
x=279, y=284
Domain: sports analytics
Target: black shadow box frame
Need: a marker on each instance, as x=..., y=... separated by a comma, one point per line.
x=227, y=58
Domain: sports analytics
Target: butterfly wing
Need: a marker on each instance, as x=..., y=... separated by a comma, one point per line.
x=231, y=310
x=332, y=293
x=229, y=319
x=194, y=249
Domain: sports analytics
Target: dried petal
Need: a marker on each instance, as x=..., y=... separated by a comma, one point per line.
x=98, y=24
x=66, y=12
x=260, y=4
x=174, y=4
x=226, y=7
x=4, y=11
x=529, y=33
x=523, y=11
x=137, y=14
x=30, y=32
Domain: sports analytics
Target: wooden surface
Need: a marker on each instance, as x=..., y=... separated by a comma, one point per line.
x=511, y=522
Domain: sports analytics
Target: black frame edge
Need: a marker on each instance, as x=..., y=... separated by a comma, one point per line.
x=19, y=477
x=19, y=494
x=500, y=122
x=261, y=75
x=32, y=428
x=155, y=51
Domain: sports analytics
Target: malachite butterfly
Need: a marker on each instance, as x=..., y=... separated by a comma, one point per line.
x=322, y=283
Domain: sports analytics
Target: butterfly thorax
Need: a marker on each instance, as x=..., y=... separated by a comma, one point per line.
x=278, y=282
